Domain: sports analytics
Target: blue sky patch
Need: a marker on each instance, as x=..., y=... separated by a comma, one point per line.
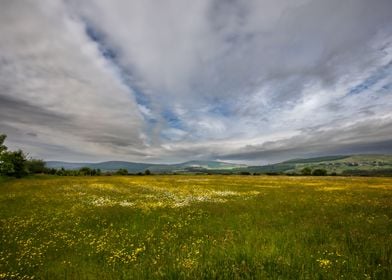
x=379, y=75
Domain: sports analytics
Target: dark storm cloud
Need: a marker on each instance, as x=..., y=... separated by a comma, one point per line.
x=21, y=111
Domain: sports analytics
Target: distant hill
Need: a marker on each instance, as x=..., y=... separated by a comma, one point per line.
x=66, y=165
x=346, y=165
x=104, y=166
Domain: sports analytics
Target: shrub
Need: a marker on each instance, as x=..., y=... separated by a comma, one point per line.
x=306, y=171
x=122, y=171
x=319, y=172
x=36, y=166
x=13, y=164
x=86, y=171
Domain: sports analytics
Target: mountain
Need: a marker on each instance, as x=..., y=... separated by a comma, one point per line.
x=66, y=165
x=134, y=167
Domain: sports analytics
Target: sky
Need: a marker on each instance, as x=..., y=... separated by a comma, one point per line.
x=247, y=81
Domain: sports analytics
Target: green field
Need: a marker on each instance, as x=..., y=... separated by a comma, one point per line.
x=196, y=227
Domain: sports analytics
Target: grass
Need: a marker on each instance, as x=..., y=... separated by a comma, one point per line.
x=196, y=227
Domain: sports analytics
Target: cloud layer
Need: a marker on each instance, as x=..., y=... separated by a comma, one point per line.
x=165, y=81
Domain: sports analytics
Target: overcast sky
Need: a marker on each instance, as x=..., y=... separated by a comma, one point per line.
x=253, y=81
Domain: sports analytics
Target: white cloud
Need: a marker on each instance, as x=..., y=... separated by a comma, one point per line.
x=49, y=63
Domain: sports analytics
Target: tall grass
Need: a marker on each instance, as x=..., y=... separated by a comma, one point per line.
x=196, y=227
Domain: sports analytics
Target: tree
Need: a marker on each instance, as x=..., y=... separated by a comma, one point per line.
x=319, y=172
x=147, y=172
x=306, y=171
x=3, y=148
x=122, y=171
x=36, y=166
x=86, y=171
x=4, y=166
x=61, y=172
x=13, y=164
x=52, y=171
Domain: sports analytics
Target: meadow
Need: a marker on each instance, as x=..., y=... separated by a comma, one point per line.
x=196, y=227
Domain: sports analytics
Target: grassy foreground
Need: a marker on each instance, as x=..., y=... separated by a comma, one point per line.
x=196, y=227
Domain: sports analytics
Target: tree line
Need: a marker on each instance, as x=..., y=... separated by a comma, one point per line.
x=87, y=171
x=18, y=164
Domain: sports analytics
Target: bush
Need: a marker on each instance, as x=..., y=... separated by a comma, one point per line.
x=122, y=171
x=13, y=164
x=36, y=166
x=306, y=171
x=273, y=173
x=61, y=172
x=86, y=171
x=319, y=172
x=3, y=148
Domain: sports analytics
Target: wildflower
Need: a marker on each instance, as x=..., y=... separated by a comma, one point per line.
x=324, y=263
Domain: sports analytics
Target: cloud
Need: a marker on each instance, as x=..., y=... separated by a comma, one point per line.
x=176, y=80
x=55, y=83
x=363, y=137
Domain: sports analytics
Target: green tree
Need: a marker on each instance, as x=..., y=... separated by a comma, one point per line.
x=147, y=172
x=86, y=171
x=36, y=166
x=306, y=171
x=3, y=148
x=14, y=164
x=319, y=172
x=61, y=172
x=51, y=171
x=122, y=171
